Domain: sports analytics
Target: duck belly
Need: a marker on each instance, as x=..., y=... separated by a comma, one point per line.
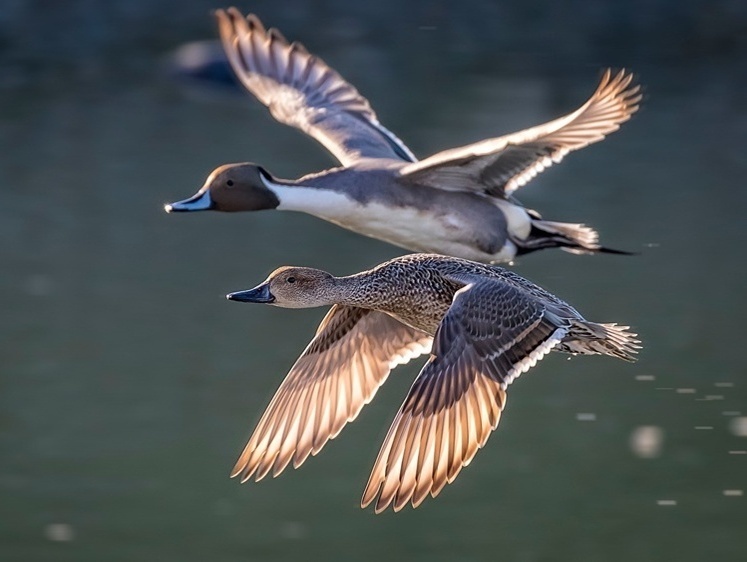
x=468, y=227
x=423, y=230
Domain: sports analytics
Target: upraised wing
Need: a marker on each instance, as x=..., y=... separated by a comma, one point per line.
x=501, y=165
x=457, y=399
x=300, y=90
x=338, y=373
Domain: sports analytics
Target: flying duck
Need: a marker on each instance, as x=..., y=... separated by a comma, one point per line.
x=457, y=202
x=482, y=325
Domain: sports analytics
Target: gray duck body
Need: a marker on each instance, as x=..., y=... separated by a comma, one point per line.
x=482, y=326
x=414, y=215
x=456, y=202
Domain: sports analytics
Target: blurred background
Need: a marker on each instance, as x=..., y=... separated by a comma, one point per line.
x=128, y=384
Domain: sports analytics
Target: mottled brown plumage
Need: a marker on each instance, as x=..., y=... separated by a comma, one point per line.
x=487, y=325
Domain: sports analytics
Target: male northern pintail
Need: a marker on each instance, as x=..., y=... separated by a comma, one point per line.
x=486, y=325
x=457, y=202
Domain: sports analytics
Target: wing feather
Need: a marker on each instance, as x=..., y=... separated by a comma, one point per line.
x=300, y=90
x=457, y=399
x=499, y=166
x=353, y=348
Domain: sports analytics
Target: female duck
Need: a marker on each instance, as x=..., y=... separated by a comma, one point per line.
x=486, y=326
x=457, y=202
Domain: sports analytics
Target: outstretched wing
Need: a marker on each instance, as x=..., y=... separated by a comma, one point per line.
x=302, y=91
x=492, y=333
x=339, y=372
x=501, y=165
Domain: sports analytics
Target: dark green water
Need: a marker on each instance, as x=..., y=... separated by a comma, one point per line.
x=128, y=384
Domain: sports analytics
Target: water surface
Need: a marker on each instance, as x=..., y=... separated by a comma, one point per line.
x=129, y=385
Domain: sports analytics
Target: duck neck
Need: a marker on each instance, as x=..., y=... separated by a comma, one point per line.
x=309, y=195
x=361, y=291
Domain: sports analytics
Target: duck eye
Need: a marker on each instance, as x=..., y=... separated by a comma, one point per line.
x=291, y=279
x=229, y=183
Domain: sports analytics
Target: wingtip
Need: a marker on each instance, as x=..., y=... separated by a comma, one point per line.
x=243, y=471
x=370, y=493
x=606, y=75
x=226, y=14
x=381, y=506
x=236, y=470
x=255, y=24
x=233, y=11
x=276, y=35
x=225, y=24
x=401, y=502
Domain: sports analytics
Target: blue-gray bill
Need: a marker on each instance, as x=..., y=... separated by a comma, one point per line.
x=200, y=201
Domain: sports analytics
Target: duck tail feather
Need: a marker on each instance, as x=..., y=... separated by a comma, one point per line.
x=590, y=338
x=575, y=238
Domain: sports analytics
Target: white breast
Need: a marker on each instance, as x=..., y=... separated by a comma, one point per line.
x=406, y=227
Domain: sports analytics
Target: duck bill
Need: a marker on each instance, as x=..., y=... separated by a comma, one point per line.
x=260, y=294
x=200, y=201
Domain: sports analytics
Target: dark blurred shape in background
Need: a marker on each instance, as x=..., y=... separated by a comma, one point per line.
x=543, y=35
